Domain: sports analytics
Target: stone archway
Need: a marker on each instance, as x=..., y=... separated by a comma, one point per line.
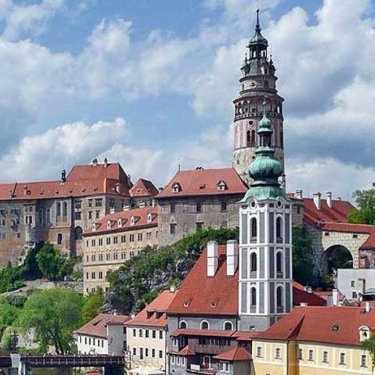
x=335, y=257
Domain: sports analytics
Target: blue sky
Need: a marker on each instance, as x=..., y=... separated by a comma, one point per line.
x=150, y=84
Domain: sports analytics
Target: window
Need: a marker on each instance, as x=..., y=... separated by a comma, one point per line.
x=90, y=202
x=146, y=333
x=100, y=241
x=342, y=358
x=153, y=353
x=100, y=275
x=131, y=238
x=223, y=206
x=173, y=208
x=253, y=262
x=139, y=236
x=59, y=238
x=253, y=227
x=100, y=257
x=198, y=207
x=108, y=240
x=123, y=238
x=140, y=333
x=98, y=202
x=78, y=215
x=160, y=354
x=160, y=334
x=93, y=257
x=300, y=354
x=134, y=332
x=65, y=209
x=228, y=326
x=115, y=240
x=205, y=325
x=253, y=293
x=279, y=297
x=325, y=357
x=172, y=228
x=352, y=283
x=278, y=353
x=363, y=360
x=93, y=275
x=311, y=355
x=279, y=235
x=279, y=263
x=259, y=351
x=199, y=225
x=146, y=352
x=183, y=325
x=224, y=366
x=97, y=214
x=134, y=351
x=90, y=215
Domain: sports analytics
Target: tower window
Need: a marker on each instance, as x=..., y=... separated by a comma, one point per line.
x=253, y=227
x=279, y=299
x=279, y=264
x=253, y=262
x=59, y=238
x=253, y=295
x=279, y=225
x=248, y=139
x=205, y=325
x=253, y=138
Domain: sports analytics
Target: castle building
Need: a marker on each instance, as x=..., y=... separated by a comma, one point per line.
x=257, y=84
x=114, y=239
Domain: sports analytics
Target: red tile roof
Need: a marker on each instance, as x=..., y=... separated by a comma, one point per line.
x=328, y=325
x=300, y=295
x=97, y=326
x=143, y=217
x=186, y=351
x=204, y=182
x=154, y=314
x=143, y=188
x=337, y=213
x=346, y=227
x=203, y=295
x=235, y=354
x=370, y=242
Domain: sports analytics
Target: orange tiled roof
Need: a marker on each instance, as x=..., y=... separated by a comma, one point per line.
x=328, y=325
x=97, y=326
x=143, y=188
x=300, y=295
x=186, y=351
x=337, y=213
x=203, y=295
x=154, y=314
x=142, y=217
x=235, y=354
x=370, y=241
x=204, y=182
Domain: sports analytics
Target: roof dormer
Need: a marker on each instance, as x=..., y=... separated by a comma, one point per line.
x=109, y=224
x=150, y=217
x=134, y=220
x=176, y=187
x=94, y=227
x=364, y=333
x=221, y=185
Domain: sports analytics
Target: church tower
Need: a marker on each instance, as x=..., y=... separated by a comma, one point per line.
x=257, y=84
x=265, y=264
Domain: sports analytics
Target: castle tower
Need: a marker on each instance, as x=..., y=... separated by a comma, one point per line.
x=257, y=84
x=265, y=264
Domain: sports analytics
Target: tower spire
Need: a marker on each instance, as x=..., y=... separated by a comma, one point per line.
x=257, y=26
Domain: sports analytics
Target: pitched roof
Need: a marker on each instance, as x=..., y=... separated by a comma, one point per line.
x=154, y=314
x=125, y=220
x=198, y=182
x=186, y=351
x=204, y=295
x=143, y=188
x=329, y=325
x=337, y=213
x=235, y=354
x=300, y=295
x=97, y=326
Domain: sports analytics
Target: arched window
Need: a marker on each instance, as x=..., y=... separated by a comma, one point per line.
x=253, y=226
x=205, y=325
x=253, y=262
x=58, y=209
x=228, y=326
x=78, y=233
x=183, y=325
x=248, y=139
x=65, y=209
x=48, y=216
x=279, y=298
x=279, y=230
x=59, y=238
x=253, y=138
x=253, y=298
x=279, y=263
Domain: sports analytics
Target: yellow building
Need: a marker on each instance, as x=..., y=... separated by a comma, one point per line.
x=114, y=239
x=316, y=340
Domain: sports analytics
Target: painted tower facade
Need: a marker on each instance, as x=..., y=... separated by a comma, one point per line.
x=257, y=84
x=265, y=264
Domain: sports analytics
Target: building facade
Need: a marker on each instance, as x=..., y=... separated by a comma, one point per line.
x=114, y=239
x=257, y=85
x=198, y=198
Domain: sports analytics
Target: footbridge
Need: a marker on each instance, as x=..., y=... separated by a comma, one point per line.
x=18, y=364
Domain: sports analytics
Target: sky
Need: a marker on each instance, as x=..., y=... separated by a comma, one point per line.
x=150, y=84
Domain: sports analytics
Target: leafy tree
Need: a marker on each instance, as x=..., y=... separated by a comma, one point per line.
x=10, y=278
x=365, y=200
x=53, y=264
x=53, y=314
x=31, y=269
x=91, y=305
x=369, y=345
x=8, y=314
x=303, y=257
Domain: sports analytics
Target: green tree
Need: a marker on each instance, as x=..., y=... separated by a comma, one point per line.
x=369, y=345
x=8, y=314
x=91, y=305
x=53, y=314
x=303, y=257
x=53, y=264
x=365, y=214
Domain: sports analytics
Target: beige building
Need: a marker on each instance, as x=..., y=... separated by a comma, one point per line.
x=114, y=239
x=316, y=341
x=147, y=335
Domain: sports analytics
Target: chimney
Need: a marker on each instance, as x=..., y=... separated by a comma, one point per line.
x=232, y=257
x=63, y=176
x=212, y=258
x=299, y=194
x=95, y=162
x=329, y=199
x=105, y=162
x=335, y=297
x=367, y=306
x=317, y=202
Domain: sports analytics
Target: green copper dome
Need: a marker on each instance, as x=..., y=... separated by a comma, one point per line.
x=265, y=169
x=258, y=38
